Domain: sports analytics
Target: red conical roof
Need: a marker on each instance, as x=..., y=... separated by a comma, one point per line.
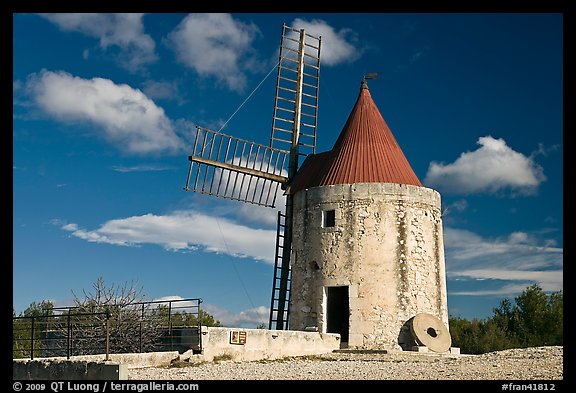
x=365, y=152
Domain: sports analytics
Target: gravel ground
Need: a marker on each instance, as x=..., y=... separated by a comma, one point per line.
x=539, y=363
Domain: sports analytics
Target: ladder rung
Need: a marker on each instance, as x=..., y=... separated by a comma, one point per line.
x=286, y=99
x=282, y=129
x=309, y=85
x=307, y=114
x=310, y=75
x=281, y=119
x=282, y=140
x=289, y=59
x=284, y=109
x=314, y=102
x=286, y=89
x=287, y=79
x=309, y=105
x=289, y=113
x=313, y=66
x=314, y=110
x=310, y=45
x=284, y=67
x=291, y=28
x=308, y=135
x=307, y=125
x=291, y=39
x=309, y=95
x=312, y=56
x=290, y=49
x=312, y=36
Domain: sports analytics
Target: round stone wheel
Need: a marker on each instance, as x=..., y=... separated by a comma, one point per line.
x=428, y=330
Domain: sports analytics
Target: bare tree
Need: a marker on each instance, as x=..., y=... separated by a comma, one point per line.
x=133, y=326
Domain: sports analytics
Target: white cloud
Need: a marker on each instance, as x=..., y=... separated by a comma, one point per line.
x=491, y=168
x=507, y=290
x=142, y=168
x=261, y=215
x=215, y=45
x=16, y=85
x=179, y=304
x=125, y=31
x=549, y=280
x=517, y=258
x=125, y=115
x=337, y=46
x=459, y=206
x=250, y=318
x=518, y=238
x=163, y=90
x=183, y=231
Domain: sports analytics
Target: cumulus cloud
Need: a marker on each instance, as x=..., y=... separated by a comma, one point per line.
x=215, y=45
x=125, y=116
x=491, y=168
x=337, y=46
x=250, y=318
x=517, y=258
x=261, y=215
x=142, y=168
x=125, y=31
x=179, y=303
x=183, y=231
x=508, y=290
x=163, y=90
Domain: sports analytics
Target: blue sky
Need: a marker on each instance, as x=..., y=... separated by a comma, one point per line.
x=104, y=112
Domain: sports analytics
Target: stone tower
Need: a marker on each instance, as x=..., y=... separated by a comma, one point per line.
x=368, y=251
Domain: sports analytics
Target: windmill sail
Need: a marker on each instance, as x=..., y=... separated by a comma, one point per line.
x=236, y=169
x=294, y=122
x=296, y=104
x=233, y=168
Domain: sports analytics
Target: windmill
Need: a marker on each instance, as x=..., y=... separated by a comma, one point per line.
x=233, y=168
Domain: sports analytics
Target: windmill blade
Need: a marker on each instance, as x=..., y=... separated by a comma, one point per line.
x=233, y=168
x=294, y=128
x=295, y=115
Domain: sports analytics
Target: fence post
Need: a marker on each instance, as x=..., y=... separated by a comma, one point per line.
x=170, y=325
x=32, y=341
x=140, y=337
x=199, y=326
x=107, y=335
x=68, y=336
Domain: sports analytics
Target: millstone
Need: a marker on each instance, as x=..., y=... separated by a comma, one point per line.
x=428, y=330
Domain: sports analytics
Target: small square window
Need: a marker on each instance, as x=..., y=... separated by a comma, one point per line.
x=328, y=218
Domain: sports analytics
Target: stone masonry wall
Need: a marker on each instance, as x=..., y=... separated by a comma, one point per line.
x=386, y=246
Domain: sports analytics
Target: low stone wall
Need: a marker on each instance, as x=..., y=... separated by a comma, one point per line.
x=218, y=343
x=62, y=369
x=257, y=344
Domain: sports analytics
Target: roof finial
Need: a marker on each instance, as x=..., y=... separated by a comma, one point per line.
x=370, y=75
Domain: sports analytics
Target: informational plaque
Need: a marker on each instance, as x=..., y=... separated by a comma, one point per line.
x=238, y=337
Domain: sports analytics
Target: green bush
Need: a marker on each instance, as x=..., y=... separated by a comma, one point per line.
x=535, y=319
